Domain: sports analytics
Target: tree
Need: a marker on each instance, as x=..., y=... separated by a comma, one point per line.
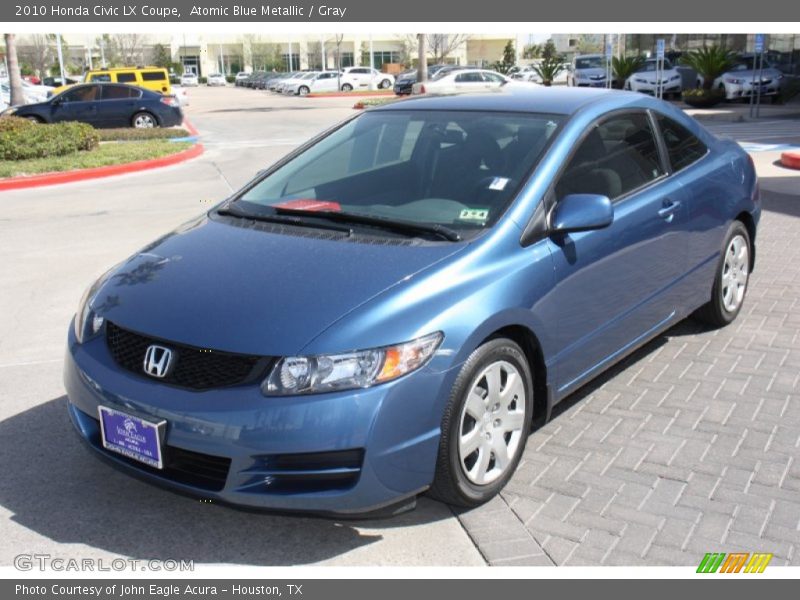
x=532, y=51
x=162, y=57
x=709, y=63
x=549, y=68
x=439, y=45
x=129, y=46
x=625, y=66
x=549, y=50
x=37, y=51
x=509, y=58
x=17, y=96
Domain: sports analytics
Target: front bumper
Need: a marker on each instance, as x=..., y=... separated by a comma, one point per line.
x=734, y=91
x=668, y=87
x=346, y=452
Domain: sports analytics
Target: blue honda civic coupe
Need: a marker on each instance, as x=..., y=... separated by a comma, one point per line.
x=393, y=307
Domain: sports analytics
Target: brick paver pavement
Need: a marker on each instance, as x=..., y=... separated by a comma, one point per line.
x=689, y=446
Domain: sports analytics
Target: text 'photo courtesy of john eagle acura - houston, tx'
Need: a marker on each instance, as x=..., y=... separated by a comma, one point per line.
x=391, y=308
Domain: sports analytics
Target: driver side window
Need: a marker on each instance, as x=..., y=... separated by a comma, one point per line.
x=617, y=156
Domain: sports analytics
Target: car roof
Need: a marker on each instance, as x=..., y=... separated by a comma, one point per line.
x=553, y=100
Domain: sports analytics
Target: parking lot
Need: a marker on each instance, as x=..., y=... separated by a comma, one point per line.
x=692, y=445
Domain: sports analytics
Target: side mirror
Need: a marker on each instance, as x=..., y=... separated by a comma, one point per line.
x=582, y=212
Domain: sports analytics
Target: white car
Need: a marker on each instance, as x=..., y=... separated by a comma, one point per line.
x=527, y=73
x=355, y=78
x=467, y=80
x=742, y=80
x=181, y=94
x=190, y=79
x=240, y=77
x=216, y=79
x=647, y=81
x=33, y=93
x=587, y=70
x=292, y=80
x=324, y=81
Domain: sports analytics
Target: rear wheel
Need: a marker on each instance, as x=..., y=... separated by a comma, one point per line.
x=144, y=120
x=346, y=87
x=732, y=277
x=385, y=84
x=303, y=91
x=485, y=425
x=33, y=119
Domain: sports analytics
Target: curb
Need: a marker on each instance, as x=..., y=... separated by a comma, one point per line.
x=54, y=178
x=791, y=159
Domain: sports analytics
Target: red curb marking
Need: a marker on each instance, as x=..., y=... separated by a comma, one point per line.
x=347, y=94
x=791, y=160
x=26, y=181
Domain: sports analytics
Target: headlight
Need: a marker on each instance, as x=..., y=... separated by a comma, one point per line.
x=674, y=77
x=733, y=81
x=88, y=323
x=637, y=80
x=349, y=370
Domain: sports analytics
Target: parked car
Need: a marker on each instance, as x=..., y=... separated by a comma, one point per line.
x=587, y=70
x=405, y=81
x=276, y=82
x=240, y=78
x=32, y=92
x=190, y=80
x=527, y=73
x=465, y=80
x=354, y=78
x=258, y=80
x=324, y=81
x=57, y=81
x=646, y=80
x=742, y=81
x=181, y=94
x=216, y=79
x=435, y=275
x=150, y=78
x=281, y=84
x=105, y=105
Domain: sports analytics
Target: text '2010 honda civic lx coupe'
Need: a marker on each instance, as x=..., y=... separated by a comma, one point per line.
x=389, y=309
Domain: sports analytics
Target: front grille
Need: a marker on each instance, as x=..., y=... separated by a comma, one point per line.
x=303, y=473
x=194, y=368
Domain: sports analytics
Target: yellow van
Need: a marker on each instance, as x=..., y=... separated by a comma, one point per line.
x=151, y=78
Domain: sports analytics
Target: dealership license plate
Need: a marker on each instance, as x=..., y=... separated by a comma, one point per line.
x=131, y=436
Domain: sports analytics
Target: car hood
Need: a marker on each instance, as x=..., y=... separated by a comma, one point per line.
x=750, y=74
x=216, y=285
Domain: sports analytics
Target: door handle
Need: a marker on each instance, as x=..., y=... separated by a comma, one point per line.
x=669, y=209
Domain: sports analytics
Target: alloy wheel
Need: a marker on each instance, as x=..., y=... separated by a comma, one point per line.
x=735, y=271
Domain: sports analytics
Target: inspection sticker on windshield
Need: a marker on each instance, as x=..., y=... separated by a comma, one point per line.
x=474, y=214
x=498, y=184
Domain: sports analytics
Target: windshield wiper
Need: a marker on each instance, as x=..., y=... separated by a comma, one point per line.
x=296, y=221
x=407, y=227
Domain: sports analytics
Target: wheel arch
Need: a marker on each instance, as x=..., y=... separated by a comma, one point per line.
x=749, y=222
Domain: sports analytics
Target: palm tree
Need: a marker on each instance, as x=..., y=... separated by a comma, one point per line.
x=17, y=96
x=624, y=67
x=548, y=69
x=709, y=63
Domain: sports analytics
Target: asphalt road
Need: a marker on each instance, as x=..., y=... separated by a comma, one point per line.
x=56, y=498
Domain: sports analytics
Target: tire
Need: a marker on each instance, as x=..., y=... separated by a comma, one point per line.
x=303, y=91
x=34, y=119
x=731, y=279
x=385, y=84
x=346, y=87
x=463, y=476
x=144, y=120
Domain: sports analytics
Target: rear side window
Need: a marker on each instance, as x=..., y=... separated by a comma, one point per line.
x=683, y=147
x=469, y=78
x=126, y=77
x=153, y=76
x=617, y=156
x=101, y=77
x=119, y=92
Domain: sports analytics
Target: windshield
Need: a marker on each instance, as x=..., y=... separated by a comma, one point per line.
x=652, y=65
x=459, y=169
x=590, y=62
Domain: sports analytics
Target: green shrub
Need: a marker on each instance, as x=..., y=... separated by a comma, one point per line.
x=202, y=80
x=230, y=78
x=37, y=140
x=133, y=134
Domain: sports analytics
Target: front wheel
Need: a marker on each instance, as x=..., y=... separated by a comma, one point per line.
x=731, y=279
x=303, y=91
x=385, y=84
x=144, y=120
x=485, y=425
x=346, y=87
